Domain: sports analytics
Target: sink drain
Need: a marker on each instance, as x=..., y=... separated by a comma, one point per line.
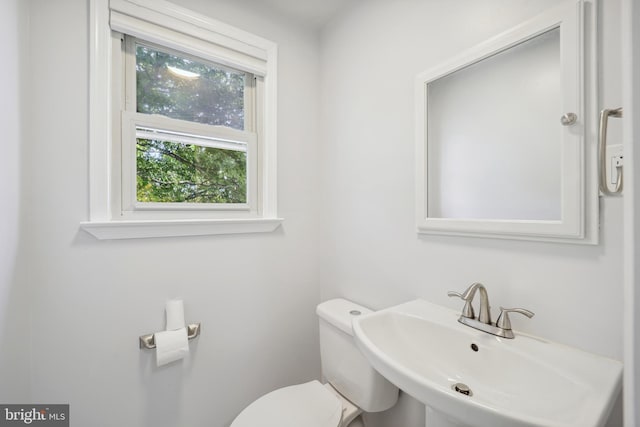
x=462, y=389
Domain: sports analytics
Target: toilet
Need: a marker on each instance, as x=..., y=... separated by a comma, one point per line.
x=352, y=385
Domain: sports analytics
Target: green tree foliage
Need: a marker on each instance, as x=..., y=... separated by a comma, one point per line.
x=175, y=172
x=169, y=171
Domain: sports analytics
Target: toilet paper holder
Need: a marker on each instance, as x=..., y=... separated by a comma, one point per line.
x=149, y=342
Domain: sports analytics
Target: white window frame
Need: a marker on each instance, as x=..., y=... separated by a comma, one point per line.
x=112, y=214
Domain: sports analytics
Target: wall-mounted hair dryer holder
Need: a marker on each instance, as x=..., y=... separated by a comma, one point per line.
x=602, y=154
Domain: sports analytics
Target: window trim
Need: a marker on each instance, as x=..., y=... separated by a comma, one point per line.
x=160, y=21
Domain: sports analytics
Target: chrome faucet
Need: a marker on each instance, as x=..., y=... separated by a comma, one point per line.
x=501, y=328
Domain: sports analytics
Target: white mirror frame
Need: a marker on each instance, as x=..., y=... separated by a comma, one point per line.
x=579, y=204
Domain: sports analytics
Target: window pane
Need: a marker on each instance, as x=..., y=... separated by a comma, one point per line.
x=170, y=171
x=181, y=88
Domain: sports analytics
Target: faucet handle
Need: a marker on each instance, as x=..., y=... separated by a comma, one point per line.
x=467, y=310
x=504, y=322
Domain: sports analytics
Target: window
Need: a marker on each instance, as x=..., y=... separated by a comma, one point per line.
x=182, y=124
x=188, y=139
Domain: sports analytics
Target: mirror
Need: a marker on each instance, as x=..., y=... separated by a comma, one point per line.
x=490, y=128
x=494, y=158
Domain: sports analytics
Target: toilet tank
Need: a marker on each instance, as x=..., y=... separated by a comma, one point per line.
x=343, y=366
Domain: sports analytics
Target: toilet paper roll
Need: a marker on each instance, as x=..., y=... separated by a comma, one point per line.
x=175, y=314
x=171, y=346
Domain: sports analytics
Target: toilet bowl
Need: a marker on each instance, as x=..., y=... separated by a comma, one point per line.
x=352, y=387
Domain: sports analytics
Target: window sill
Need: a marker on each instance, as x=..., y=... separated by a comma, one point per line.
x=110, y=230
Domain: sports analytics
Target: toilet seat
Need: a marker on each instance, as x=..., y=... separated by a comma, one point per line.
x=310, y=405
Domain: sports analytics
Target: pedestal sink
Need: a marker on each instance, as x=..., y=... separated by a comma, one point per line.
x=467, y=377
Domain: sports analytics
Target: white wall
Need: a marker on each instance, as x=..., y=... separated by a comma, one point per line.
x=370, y=250
x=631, y=68
x=14, y=313
x=90, y=300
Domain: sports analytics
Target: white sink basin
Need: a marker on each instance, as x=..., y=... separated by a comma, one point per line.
x=525, y=381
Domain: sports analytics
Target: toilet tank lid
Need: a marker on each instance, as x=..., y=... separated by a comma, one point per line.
x=340, y=312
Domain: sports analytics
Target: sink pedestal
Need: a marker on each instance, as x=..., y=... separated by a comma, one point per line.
x=434, y=418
